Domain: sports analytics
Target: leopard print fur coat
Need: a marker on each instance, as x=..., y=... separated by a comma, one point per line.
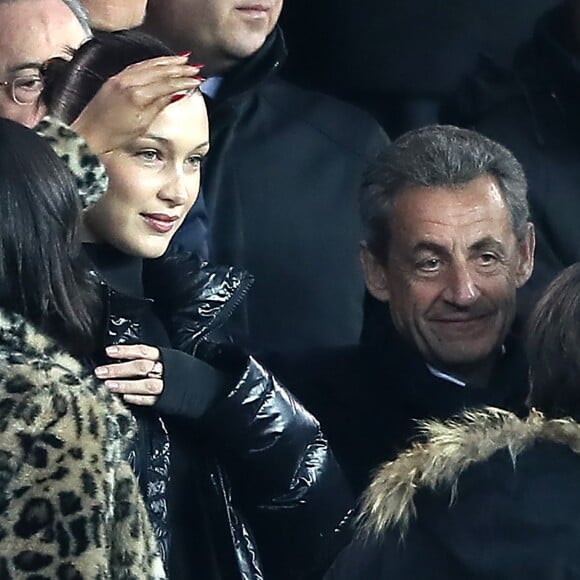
x=70, y=507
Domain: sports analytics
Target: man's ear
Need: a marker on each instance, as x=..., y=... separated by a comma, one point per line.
x=375, y=274
x=526, y=249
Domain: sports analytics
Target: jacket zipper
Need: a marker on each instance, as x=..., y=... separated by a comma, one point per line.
x=229, y=307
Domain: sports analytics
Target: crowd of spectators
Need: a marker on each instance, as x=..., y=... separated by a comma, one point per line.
x=244, y=335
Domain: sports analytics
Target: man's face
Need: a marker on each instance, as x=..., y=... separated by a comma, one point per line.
x=451, y=272
x=218, y=32
x=32, y=32
x=115, y=14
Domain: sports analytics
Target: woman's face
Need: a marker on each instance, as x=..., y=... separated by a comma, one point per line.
x=153, y=182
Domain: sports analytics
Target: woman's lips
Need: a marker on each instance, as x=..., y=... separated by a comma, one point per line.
x=160, y=223
x=255, y=10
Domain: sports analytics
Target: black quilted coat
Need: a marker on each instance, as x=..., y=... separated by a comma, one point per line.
x=254, y=489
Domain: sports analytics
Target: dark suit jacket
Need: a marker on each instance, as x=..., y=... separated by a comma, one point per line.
x=368, y=398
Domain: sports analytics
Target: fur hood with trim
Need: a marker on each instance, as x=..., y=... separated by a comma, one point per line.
x=449, y=449
x=69, y=503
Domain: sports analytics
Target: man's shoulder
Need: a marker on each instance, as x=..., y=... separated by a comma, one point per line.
x=341, y=122
x=365, y=372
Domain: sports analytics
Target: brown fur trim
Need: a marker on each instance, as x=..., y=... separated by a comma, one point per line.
x=449, y=448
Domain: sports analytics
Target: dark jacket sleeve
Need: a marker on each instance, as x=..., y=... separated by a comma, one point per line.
x=285, y=480
x=284, y=475
x=191, y=385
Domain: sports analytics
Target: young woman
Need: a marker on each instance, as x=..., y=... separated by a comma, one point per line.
x=69, y=503
x=237, y=478
x=489, y=495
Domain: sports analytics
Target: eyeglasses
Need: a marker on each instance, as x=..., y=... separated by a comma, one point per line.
x=25, y=90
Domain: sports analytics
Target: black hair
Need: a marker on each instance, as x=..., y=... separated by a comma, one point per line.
x=437, y=156
x=553, y=344
x=70, y=85
x=43, y=275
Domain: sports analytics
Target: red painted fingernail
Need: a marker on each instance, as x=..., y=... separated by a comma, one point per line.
x=175, y=98
x=200, y=79
x=185, y=53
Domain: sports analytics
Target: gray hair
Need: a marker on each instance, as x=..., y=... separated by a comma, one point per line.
x=438, y=156
x=75, y=7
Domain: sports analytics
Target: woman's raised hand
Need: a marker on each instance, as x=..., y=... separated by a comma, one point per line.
x=128, y=102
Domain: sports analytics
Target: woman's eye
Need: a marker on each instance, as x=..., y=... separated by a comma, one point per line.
x=149, y=155
x=195, y=161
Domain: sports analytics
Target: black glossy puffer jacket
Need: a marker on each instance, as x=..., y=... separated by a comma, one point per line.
x=255, y=490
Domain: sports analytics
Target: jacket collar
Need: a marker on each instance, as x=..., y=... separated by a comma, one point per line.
x=256, y=68
x=120, y=271
x=451, y=447
x=201, y=302
x=203, y=299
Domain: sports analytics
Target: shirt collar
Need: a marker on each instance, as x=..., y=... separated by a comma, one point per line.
x=445, y=376
x=211, y=86
x=450, y=378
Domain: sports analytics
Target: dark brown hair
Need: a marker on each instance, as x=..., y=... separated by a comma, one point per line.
x=70, y=85
x=553, y=342
x=43, y=275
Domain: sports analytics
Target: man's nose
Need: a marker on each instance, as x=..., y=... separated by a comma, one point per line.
x=461, y=286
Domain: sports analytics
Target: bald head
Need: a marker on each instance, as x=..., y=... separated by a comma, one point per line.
x=33, y=31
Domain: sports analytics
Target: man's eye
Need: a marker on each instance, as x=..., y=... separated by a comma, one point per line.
x=29, y=84
x=488, y=259
x=430, y=265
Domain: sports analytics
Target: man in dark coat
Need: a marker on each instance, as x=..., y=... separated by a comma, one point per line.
x=448, y=241
x=488, y=495
x=281, y=180
x=540, y=123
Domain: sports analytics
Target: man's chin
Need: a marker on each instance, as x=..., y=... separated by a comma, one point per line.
x=462, y=361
